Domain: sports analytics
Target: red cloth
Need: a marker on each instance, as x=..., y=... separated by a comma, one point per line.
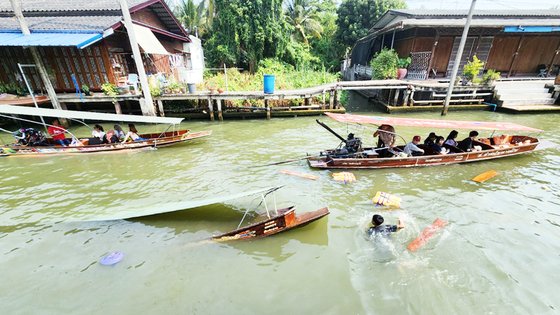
x=57, y=133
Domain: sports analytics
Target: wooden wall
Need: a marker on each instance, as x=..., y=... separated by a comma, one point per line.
x=89, y=65
x=532, y=51
x=441, y=55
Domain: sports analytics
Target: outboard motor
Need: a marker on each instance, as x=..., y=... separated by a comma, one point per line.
x=353, y=144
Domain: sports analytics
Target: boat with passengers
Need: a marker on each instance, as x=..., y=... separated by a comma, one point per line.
x=47, y=146
x=350, y=154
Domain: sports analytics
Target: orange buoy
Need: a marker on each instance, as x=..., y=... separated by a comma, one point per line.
x=485, y=176
x=426, y=235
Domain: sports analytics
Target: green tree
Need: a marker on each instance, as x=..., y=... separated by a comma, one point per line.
x=356, y=17
x=326, y=48
x=245, y=32
x=302, y=15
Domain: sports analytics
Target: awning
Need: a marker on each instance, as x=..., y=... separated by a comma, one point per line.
x=72, y=114
x=430, y=123
x=144, y=211
x=80, y=40
x=148, y=41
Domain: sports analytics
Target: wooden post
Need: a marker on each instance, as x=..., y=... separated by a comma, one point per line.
x=434, y=46
x=307, y=101
x=210, y=109
x=219, y=104
x=515, y=55
x=36, y=56
x=324, y=100
x=160, y=107
x=331, y=99
x=405, y=97
x=337, y=99
x=118, y=109
x=396, y=98
x=267, y=109
x=148, y=108
x=411, y=99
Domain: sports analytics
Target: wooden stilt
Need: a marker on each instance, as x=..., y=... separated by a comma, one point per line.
x=336, y=99
x=219, y=104
x=160, y=108
x=118, y=109
x=267, y=109
x=331, y=99
x=210, y=109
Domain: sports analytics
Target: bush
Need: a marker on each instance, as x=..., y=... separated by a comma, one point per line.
x=490, y=76
x=109, y=89
x=404, y=62
x=384, y=64
x=472, y=69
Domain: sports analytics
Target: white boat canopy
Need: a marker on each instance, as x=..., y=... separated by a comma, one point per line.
x=179, y=205
x=72, y=114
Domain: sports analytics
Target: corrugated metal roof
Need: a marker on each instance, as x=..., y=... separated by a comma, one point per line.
x=79, y=40
x=497, y=13
x=480, y=22
x=67, y=5
x=490, y=17
x=75, y=23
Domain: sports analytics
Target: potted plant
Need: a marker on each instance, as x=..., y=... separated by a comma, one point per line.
x=384, y=64
x=109, y=89
x=402, y=66
x=472, y=69
x=490, y=76
x=86, y=90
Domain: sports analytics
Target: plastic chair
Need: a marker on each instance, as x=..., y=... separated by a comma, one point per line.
x=132, y=80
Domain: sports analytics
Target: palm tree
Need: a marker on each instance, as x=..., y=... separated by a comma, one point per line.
x=302, y=15
x=195, y=17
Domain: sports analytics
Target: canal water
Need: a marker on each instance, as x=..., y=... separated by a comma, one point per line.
x=499, y=254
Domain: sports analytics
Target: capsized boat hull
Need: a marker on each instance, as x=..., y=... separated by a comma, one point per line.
x=286, y=220
x=365, y=161
x=155, y=140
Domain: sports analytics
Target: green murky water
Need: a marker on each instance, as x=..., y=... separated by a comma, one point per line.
x=498, y=255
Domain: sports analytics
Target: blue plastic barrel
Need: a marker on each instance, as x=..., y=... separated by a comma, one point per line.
x=269, y=83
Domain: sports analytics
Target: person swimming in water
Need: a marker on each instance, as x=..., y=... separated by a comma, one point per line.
x=378, y=228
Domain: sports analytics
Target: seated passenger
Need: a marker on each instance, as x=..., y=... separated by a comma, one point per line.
x=467, y=143
x=431, y=139
x=57, y=133
x=412, y=149
x=378, y=228
x=99, y=136
x=30, y=137
x=386, y=140
x=438, y=146
x=451, y=138
x=119, y=133
x=132, y=134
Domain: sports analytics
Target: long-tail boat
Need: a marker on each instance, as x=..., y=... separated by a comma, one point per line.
x=285, y=220
x=351, y=155
x=50, y=147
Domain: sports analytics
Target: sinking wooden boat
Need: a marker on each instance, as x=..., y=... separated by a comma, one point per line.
x=285, y=220
x=344, y=157
x=152, y=140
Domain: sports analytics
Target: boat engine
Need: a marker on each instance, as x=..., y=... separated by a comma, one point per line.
x=353, y=144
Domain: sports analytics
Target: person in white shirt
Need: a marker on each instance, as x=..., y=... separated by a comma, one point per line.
x=412, y=149
x=132, y=134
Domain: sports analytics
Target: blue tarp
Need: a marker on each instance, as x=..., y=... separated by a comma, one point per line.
x=80, y=40
x=531, y=29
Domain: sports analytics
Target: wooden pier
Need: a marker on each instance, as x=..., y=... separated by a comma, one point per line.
x=392, y=95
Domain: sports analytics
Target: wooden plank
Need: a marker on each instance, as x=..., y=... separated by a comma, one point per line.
x=485, y=176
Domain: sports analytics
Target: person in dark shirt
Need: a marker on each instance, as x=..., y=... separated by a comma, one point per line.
x=467, y=143
x=437, y=146
x=431, y=139
x=378, y=228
